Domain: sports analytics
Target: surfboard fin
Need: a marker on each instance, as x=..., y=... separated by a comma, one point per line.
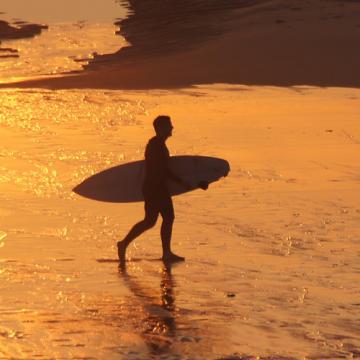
x=203, y=185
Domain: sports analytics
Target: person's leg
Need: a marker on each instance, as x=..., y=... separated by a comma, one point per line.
x=167, y=213
x=151, y=215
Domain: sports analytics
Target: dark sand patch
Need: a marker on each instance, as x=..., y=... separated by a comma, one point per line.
x=22, y=30
x=155, y=28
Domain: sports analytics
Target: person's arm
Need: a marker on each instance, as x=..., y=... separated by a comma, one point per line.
x=202, y=184
x=172, y=176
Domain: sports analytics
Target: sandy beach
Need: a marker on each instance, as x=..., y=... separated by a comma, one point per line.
x=272, y=250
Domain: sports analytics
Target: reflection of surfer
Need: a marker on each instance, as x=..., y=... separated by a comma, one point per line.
x=156, y=194
x=159, y=325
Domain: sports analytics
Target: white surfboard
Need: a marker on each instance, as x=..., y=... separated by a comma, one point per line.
x=123, y=183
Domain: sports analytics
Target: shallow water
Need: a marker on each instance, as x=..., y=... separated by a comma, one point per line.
x=76, y=33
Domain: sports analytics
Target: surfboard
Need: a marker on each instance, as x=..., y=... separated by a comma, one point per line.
x=123, y=183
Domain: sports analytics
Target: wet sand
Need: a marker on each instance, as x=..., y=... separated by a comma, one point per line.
x=272, y=250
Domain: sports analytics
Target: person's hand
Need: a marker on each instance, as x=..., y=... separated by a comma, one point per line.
x=203, y=185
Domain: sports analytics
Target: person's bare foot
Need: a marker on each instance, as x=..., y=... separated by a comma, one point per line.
x=171, y=258
x=121, y=252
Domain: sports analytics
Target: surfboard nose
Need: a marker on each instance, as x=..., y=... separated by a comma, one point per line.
x=223, y=168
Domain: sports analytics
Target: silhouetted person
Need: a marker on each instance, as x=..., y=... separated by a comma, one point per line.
x=156, y=193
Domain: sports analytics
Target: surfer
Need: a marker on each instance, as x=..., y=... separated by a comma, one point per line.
x=156, y=194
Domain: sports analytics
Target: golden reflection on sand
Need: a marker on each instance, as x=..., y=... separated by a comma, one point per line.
x=272, y=250
x=2, y=237
x=159, y=315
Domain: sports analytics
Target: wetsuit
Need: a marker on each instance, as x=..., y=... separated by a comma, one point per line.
x=157, y=173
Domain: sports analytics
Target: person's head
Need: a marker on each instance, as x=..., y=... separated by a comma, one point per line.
x=163, y=126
